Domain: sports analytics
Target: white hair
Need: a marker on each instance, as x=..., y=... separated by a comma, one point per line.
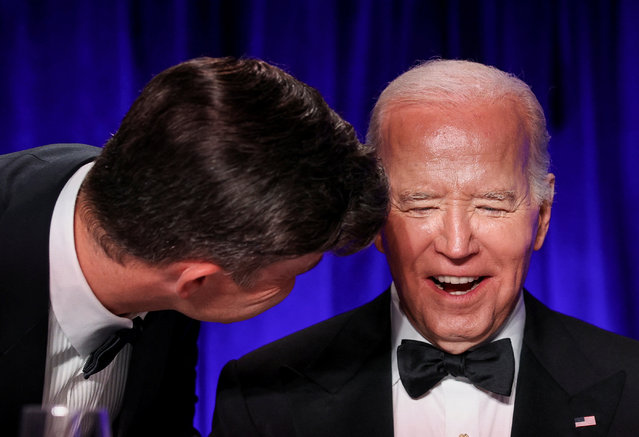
x=453, y=82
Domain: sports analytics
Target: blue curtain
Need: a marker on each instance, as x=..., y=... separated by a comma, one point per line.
x=71, y=69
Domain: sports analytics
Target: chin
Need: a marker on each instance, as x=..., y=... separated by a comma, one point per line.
x=461, y=333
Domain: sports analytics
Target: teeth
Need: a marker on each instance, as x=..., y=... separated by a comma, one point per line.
x=457, y=279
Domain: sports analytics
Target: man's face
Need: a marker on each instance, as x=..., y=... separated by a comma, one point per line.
x=223, y=300
x=463, y=222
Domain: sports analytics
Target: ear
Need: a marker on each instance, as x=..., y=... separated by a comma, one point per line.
x=379, y=242
x=544, y=214
x=192, y=275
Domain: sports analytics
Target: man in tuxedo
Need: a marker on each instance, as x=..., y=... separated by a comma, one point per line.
x=226, y=179
x=456, y=346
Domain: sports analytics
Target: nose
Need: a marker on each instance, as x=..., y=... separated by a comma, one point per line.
x=456, y=237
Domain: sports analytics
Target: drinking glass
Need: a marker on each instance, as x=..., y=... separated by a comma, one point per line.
x=59, y=421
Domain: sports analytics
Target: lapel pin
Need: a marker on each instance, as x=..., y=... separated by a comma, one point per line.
x=585, y=421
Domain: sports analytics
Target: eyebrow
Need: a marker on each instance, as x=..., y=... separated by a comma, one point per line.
x=499, y=195
x=502, y=196
x=408, y=196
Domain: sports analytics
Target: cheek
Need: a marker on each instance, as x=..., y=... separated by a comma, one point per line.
x=287, y=287
x=282, y=286
x=509, y=241
x=404, y=239
x=279, y=288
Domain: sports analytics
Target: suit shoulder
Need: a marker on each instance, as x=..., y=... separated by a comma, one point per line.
x=598, y=339
x=22, y=167
x=54, y=152
x=40, y=171
x=598, y=343
x=304, y=346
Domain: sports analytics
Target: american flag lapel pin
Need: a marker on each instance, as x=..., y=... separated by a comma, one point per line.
x=585, y=421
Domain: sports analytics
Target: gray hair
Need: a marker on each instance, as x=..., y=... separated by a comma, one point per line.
x=442, y=82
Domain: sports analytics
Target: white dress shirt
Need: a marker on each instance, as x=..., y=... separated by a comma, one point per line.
x=78, y=322
x=453, y=407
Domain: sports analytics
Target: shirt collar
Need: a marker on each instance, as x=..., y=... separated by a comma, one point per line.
x=402, y=329
x=82, y=318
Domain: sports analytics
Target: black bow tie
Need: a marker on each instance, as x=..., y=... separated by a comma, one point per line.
x=106, y=352
x=490, y=367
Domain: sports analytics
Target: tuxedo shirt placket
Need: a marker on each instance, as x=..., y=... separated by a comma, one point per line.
x=462, y=407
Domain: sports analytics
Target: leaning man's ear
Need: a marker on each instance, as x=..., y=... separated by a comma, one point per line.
x=192, y=274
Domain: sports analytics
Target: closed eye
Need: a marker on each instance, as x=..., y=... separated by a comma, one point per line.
x=422, y=211
x=492, y=211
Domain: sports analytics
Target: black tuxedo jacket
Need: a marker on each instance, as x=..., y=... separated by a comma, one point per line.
x=159, y=396
x=334, y=379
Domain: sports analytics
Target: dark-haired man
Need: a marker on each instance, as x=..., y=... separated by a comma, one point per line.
x=226, y=179
x=456, y=347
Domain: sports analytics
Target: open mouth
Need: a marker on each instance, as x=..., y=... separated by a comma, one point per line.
x=457, y=285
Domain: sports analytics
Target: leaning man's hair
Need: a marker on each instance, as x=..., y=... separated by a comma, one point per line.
x=236, y=162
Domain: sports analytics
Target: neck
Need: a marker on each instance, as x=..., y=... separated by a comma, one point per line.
x=122, y=287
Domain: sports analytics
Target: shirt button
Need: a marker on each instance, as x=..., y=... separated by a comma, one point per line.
x=463, y=435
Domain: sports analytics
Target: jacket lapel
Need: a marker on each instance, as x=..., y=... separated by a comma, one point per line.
x=146, y=368
x=557, y=383
x=345, y=390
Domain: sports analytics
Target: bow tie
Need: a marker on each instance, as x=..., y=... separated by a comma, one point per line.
x=490, y=367
x=106, y=352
